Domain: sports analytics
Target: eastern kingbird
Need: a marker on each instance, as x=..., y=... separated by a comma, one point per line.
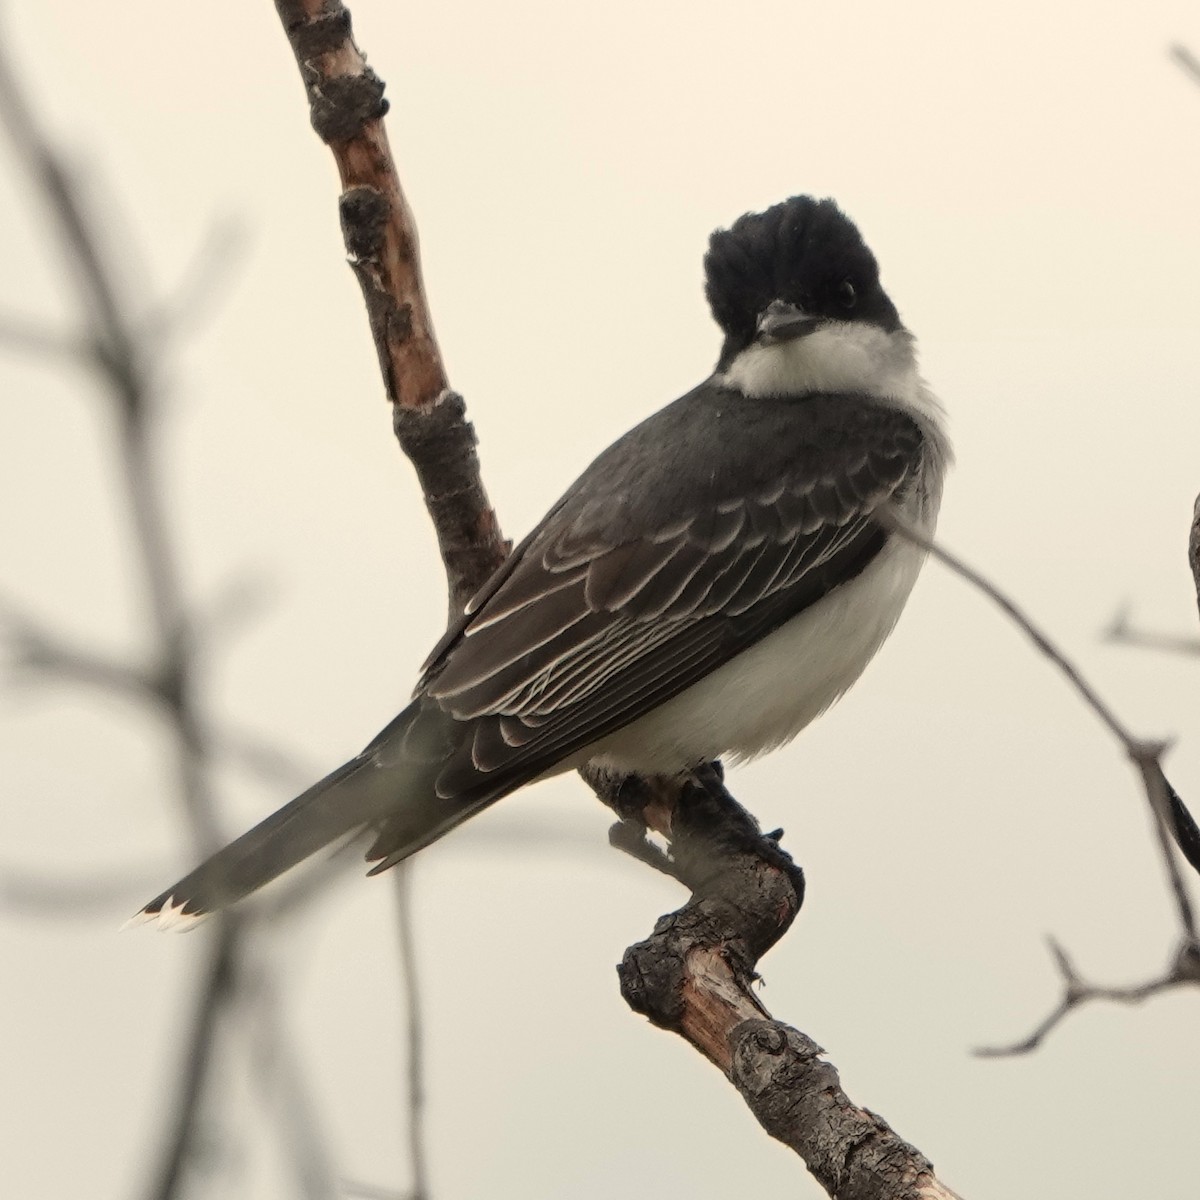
x=708, y=586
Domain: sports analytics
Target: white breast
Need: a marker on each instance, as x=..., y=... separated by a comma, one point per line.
x=768, y=693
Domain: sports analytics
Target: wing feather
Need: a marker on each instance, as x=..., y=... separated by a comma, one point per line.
x=640, y=582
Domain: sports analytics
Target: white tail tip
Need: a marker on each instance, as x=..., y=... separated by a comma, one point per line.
x=170, y=918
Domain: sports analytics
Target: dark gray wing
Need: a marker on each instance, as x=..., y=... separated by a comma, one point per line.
x=697, y=534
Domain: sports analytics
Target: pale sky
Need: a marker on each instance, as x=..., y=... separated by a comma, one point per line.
x=1026, y=174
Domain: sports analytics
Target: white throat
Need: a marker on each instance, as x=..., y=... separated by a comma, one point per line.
x=842, y=356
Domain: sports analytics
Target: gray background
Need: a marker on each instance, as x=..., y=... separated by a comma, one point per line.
x=1026, y=173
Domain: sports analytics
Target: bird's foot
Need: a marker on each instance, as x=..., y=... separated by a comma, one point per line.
x=722, y=828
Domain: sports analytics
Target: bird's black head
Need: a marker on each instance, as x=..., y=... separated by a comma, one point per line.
x=779, y=274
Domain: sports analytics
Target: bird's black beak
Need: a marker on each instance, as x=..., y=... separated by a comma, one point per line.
x=783, y=322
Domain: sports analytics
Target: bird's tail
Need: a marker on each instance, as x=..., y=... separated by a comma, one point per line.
x=389, y=787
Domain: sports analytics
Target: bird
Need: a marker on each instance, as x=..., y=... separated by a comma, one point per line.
x=712, y=582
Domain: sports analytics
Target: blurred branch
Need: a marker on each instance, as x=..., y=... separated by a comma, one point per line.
x=127, y=373
x=38, y=652
x=276, y=1068
x=1122, y=632
x=1189, y=63
x=242, y=600
x=118, y=348
x=358, y=1189
x=415, y=1036
x=260, y=757
x=215, y=993
x=72, y=895
x=32, y=337
x=198, y=291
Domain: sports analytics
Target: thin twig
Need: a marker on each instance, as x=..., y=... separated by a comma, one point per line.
x=128, y=375
x=198, y=290
x=1183, y=970
x=42, y=655
x=1187, y=60
x=81, y=250
x=95, y=894
x=214, y=994
x=32, y=337
x=1122, y=632
x=1157, y=791
x=359, y=1189
x=278, y=1072
x=891, y=519
x=1146, y=756
x=415, y=1036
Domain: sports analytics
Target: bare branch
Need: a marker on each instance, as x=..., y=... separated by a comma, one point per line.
x=1122, y=632
x=32, y=337
x=279, y=1073
x=118, y=347
x=694, y=975
x=214, y=995
x=1184, y=969
x=1186, y=60
x=35, y=651
x=358, y=1189
x=128, y=374
x=242, y=599
x=890, y=519
x=1162, y=799
x=199, y=290
x=1170, y=815
x=347, y=107
x=1146, y=755
x=81, y=251
x=100, y=893
x=415, y=1035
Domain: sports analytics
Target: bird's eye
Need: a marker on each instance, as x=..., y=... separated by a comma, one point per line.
x=847, y=296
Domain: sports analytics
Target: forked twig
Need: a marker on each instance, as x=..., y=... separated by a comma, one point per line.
x=1165, y=806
